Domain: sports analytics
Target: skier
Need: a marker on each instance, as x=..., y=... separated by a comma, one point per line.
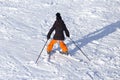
x=59, y=27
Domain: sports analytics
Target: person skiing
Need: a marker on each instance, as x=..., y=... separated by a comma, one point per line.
x=59, y=27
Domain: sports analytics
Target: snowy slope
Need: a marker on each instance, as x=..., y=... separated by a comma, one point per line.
x=93, y=24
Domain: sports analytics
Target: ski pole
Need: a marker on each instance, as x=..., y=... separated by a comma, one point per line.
x=79, y=49
x=41, y=51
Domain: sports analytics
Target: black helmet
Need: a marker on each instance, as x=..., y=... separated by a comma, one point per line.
x=58, y=16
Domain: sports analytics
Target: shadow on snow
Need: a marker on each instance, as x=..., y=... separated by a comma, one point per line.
x=95, y=36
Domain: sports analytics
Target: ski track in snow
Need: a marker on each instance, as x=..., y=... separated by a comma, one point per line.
x=94, y=25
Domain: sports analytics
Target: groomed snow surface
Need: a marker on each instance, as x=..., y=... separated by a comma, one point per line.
x=94, y=26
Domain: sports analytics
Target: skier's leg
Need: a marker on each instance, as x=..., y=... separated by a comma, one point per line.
x=63, y=47
x=50, y=45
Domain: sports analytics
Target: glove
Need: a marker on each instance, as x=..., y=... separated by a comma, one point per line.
x=48, y=37
x=68, y=35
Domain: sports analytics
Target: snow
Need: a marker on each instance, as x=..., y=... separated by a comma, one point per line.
x=94, y=26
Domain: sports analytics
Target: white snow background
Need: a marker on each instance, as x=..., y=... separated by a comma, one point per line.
x=94, y=25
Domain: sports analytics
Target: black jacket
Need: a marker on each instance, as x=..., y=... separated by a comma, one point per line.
x=59, y=28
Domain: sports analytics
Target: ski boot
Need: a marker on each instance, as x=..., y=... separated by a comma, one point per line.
x=65, y=53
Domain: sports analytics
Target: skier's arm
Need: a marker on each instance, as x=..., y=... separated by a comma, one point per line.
x=50, y=32
x=66, y=31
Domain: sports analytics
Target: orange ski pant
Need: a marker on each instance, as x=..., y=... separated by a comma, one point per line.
x=61, y=43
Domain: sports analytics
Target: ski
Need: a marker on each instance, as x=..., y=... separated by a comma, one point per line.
x=68, y=56
x=63, y=55
x=49, y=56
